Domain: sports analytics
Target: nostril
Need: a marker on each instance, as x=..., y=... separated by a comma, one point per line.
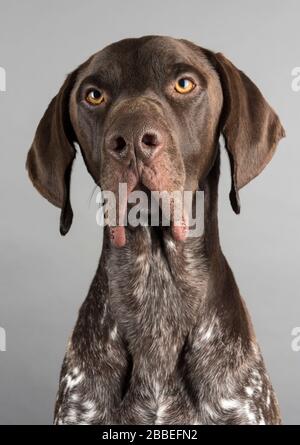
x=151, y=140
x=120, y=144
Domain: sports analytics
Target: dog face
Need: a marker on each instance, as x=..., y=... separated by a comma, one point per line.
x=148, y=112
x=145, y=113
x=144, y=121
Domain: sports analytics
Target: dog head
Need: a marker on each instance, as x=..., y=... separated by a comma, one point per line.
x=148, y=112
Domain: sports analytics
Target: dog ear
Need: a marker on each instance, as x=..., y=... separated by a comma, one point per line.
x=50, y=158
x=250, y=127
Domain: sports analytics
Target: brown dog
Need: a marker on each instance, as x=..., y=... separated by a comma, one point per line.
x=163, y=336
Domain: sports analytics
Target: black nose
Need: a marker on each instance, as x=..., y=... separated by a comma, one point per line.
x=145, y=144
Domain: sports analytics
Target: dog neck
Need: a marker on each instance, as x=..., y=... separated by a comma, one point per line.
x=156, y=286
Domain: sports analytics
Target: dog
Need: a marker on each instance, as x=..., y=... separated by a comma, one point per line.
x=163, y=336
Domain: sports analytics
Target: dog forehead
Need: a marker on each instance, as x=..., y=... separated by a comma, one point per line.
x=140, y=57
x=165, y=49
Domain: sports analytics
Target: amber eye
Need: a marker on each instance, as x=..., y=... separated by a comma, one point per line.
x=184, y=85
x=94, y=97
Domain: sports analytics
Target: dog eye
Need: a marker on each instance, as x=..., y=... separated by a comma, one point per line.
x=184, y=85
x=94, y=97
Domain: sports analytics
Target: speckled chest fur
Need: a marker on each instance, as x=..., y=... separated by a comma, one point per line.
x=154, y=349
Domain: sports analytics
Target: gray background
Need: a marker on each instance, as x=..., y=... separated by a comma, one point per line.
x=44, y=278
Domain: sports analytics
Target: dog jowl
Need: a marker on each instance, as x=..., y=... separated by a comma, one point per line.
x=163, y=335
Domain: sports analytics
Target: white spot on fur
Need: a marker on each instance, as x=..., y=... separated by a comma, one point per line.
x=162, y=405
x=259, y=388
x=208, y=333
x=90, y=406
x=75, y=371
x=257, y=380
x=159, y=414
x=71, y=416
x=262, y=420
x=201, y=330
x=268, y=401
x=256, y=374
x=140, y=259
x=74, y=397
x=73, y=381
x=250, y=415
x=249, y=391
x=228, y=404
x=171, y=245
x=113, y=333
x=157, y=390
x=255, y=349
x=196, y=421
x=104, y=313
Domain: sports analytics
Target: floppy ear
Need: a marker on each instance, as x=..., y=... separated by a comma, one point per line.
x=50, y=158
x=250, y=126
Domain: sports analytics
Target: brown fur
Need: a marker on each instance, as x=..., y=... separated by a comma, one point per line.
x=163, y=335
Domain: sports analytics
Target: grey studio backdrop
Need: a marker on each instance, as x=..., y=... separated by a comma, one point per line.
x=44, y=277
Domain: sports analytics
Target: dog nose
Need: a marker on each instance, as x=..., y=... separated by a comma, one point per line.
x=119, y=144
x=151, y=140
x=145, y=144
